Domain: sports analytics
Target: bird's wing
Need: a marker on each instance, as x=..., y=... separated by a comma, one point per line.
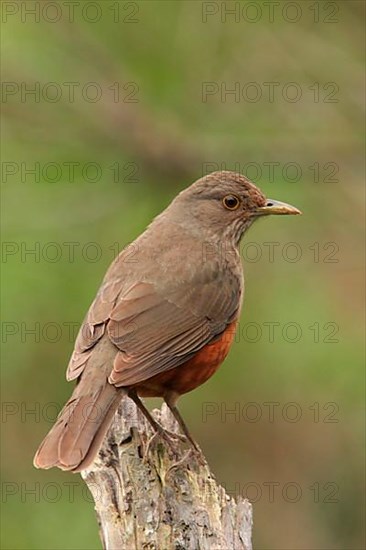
x=155, y=333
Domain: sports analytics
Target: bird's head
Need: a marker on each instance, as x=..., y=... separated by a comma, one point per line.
x=224, y=204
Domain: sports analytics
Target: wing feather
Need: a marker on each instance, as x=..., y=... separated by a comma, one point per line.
x=153, y=332
x=166, y=334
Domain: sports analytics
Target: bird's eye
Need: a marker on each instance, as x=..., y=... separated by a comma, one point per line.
x=231, y=202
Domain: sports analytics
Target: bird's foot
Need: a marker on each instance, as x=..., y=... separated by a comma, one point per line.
x=171, y=440
x=197, y=454
x=193, y=453
x=185, y=459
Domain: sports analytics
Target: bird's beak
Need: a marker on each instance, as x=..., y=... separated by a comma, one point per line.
x=276, y=207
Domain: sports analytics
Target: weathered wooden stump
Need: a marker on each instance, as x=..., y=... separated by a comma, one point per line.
x=160, y=501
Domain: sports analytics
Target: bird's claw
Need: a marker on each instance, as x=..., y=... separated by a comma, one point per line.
x=168, y=437
x=194, y=452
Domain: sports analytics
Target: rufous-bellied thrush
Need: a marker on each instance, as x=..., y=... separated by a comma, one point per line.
x=161, y=325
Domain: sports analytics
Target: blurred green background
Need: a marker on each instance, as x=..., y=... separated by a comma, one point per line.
x=131, y=103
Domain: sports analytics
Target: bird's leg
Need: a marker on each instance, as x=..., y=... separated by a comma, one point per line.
x=171, y=399
x=159, y=430
x=132, y=394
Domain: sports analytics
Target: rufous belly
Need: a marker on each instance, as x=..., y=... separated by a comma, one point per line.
x=194, y=372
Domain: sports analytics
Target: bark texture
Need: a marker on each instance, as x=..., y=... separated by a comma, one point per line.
x=164, y=500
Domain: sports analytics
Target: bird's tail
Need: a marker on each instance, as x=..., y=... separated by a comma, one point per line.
x=74, y=440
